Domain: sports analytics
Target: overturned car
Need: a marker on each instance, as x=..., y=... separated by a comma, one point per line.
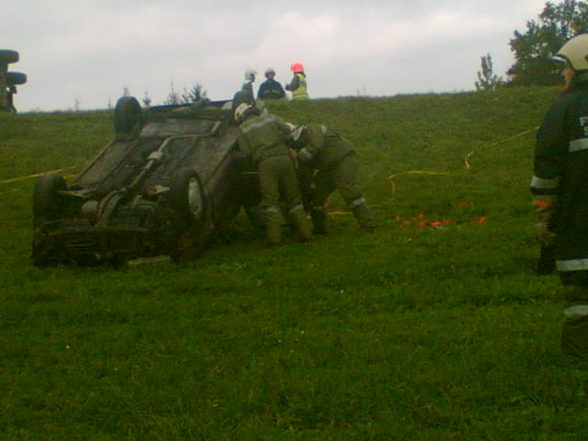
x=170, y=178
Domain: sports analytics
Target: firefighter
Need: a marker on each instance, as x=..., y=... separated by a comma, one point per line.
x=298, y=84
x=270, y=88
x=247, y=87
x=328, y=162
x=245, y=95
x=559, y=186
x=263, y=137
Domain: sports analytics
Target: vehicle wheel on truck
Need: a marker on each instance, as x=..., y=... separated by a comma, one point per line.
x=8, y=56
x=47, y=202
x=186, y=194
x=16, y=78
x=127, y=117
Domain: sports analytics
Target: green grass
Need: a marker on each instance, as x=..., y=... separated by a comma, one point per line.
x=413, y=333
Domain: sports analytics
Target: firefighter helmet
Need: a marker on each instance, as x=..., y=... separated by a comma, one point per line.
x=250, y=74
x=242, y=112
x=574, y=53
x=297, y=67
x=269, y=71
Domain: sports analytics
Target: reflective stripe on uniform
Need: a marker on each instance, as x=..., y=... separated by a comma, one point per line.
x=245, y=128
x=578, y=144
x=545, y=184
x=576, y=311
x=572, y=265
x=357, y=202
x=296, y=207
x=271, y=210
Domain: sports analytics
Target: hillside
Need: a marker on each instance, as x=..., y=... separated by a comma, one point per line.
x=433, y=328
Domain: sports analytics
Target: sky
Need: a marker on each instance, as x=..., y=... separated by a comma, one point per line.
x=84, y=54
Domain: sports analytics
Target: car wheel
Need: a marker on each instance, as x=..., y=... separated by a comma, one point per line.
x=187, y=194
x=7, y=56
x=47, y=202
x=16, y=78
x=127, y=117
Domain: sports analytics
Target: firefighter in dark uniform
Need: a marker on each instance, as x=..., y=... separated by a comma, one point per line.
x=270, y=88
x=560, y=189
x=263, y=137
x=328, y=162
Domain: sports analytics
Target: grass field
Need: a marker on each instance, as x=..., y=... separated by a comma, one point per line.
x=433, y=328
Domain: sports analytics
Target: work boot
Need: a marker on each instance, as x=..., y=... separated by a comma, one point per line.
x=273, y=225
x=362, y=213
x=319, y=220
x=298, y=216
x=574, y=337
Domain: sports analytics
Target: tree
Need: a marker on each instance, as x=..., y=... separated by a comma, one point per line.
x=487, y=80
x=146, y=100
x=196, y=93
x=174, y=97
x=543, y=38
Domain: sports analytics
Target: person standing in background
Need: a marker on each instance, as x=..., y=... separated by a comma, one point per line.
x=270, y=88
x=298, y=85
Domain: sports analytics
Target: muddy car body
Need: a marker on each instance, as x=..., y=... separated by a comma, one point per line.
x=171, y=177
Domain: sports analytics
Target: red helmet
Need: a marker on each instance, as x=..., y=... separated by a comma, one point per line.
x=297, y=67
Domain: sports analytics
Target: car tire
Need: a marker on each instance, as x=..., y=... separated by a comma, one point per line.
x=16, y=78
x=47, y=202
x=186, y=194
x=8, y=56
x=127, y=117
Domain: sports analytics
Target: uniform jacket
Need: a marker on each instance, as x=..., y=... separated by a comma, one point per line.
x=298, y=87
x=321, y=148
x=270, y=89
x=264, y=136
x=561, y=172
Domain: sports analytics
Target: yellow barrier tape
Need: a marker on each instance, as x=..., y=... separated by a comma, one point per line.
x=36, y=175
x=497, y=143
x=424, y=172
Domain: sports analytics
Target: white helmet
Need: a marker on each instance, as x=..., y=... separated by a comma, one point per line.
x=574, y=53
x=250, y=74
x=269, y=70
x=241, y=110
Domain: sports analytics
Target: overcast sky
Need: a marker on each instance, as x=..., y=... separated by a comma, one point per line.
x=89, y=51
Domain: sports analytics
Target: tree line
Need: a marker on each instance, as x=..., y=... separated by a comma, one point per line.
x=534, y=47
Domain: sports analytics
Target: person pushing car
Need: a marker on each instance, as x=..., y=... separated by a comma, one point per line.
x=322, y=150
x=263, y=136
